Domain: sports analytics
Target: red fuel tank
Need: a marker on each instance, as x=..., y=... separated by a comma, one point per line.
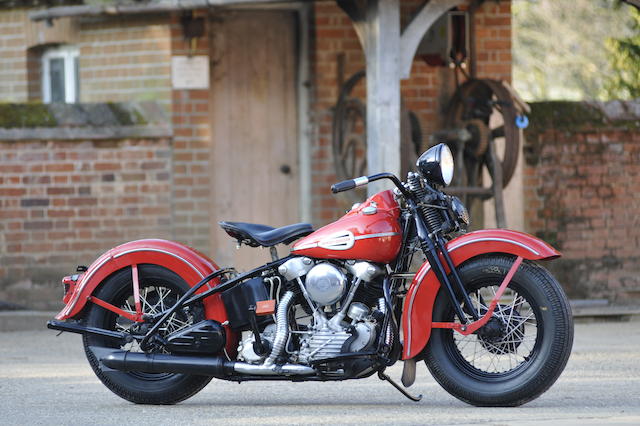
x=370, y=232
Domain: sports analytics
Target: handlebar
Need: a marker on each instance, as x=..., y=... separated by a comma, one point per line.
x=346, y=185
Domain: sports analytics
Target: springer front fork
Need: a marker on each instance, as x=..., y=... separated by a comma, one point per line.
x=433, y=245
x=453, y=286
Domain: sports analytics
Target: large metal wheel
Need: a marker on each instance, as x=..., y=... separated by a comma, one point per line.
x=486, y=109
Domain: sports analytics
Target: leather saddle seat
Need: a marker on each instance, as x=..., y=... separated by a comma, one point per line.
x=255, y=235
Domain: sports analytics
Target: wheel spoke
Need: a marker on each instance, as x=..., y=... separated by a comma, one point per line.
x=507, y=351
x=154, y=299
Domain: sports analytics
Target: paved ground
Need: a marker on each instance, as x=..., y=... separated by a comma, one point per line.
x=45, y=380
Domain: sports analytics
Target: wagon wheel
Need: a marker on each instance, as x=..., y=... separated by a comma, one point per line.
x=349, y=137
x=485, y=108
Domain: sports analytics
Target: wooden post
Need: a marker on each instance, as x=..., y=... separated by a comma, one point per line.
x=382, y=48
x=389, y=53
x=417, y=28
x=496, y=167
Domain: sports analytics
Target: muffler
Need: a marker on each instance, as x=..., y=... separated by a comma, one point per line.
x=204, y=366
x=164, y=363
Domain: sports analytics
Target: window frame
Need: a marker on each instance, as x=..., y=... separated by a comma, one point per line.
x=69, y=54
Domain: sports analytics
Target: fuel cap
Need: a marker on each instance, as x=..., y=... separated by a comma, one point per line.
x=369, y=210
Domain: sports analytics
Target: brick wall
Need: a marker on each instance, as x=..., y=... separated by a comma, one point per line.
x=493, y=40
x=13, y=63
x=64, y=203
x=582, y=175
x=128, y=59
x=426, y=92
x=191, y=152
x=121, y=59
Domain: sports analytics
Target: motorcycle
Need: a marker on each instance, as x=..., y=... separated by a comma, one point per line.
x=159, y=320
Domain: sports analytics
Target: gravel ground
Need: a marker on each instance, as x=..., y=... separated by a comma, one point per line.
x=45, y=379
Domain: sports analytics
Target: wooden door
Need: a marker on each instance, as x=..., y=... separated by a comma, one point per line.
x=255, y=176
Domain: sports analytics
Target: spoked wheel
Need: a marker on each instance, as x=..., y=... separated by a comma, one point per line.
x=159, y=290
x=520, y=352
x=507, y=341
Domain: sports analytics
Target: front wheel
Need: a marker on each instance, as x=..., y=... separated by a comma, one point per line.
x=523, y=348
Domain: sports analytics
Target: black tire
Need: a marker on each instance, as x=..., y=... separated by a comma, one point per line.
x=537, y=350
x=140, y=388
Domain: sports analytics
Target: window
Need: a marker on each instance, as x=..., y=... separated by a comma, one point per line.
x=60, y=82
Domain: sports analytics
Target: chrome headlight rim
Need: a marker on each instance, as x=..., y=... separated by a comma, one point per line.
x=437, y=165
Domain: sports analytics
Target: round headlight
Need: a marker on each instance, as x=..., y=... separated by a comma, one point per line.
x=436, y=164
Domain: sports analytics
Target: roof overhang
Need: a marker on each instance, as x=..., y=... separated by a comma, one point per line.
x=162, y=6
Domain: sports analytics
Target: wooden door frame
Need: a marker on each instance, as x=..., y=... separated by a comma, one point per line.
x=303, y=98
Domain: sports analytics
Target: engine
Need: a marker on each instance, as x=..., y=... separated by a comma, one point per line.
x=325, y=284
x=326, y=342
x=338, y=309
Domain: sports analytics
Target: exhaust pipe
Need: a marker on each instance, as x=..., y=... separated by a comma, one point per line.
x=209, y=366
x=272, y=370
x=205, y=366
x=163, y=363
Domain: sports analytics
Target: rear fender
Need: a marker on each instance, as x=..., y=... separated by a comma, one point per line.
x=185, y=261
x=191, y=265
x=419, y=300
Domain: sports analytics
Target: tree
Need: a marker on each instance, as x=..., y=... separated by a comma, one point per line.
x=559, y=47
x=624, y=81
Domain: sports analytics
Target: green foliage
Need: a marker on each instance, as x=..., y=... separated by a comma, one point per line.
x=624, y=82
x=559, y=47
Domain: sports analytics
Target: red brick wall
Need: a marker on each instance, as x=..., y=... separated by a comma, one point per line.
x=64, y=203
x=191, y=152
x=581, y=195
x=493, y=40
x=426, y=92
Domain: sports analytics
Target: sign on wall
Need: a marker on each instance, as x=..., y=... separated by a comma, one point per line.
x=190, y=72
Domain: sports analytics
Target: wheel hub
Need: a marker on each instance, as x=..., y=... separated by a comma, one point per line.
x=499, y=335
x=493, y=330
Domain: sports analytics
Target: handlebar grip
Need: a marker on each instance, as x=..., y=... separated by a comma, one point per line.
x=346, y=185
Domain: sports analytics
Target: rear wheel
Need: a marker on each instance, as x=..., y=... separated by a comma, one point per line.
x=159, y=290
x=520, y=352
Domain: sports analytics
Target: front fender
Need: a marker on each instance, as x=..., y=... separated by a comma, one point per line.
x=419, y=300
x=185, y=261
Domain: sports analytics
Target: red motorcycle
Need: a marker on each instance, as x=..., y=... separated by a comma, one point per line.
x=159, y=320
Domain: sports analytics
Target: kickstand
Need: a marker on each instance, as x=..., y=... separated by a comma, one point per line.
x=383, y=376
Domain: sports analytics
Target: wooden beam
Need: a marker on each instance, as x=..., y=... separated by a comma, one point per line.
x=418, y=27
x=132, y=9
x=382, y=37
x=356, y=10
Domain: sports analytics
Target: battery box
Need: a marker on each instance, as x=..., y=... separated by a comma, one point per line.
x=238, y=299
